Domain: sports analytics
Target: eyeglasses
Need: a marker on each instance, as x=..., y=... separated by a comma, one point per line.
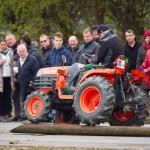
x=43, y=41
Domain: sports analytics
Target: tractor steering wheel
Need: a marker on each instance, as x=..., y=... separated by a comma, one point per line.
x=88, y=56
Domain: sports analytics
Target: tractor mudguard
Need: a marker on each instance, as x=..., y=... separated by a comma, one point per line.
x=109, y=74
x=139, y=76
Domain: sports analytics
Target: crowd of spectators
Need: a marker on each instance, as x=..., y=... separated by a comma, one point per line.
x=21, y=59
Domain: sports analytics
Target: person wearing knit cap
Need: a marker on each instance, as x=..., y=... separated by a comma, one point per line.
x=142, y=54
x=131, y=48
x=110, y=47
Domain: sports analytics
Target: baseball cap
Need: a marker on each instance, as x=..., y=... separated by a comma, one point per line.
x=102, y=28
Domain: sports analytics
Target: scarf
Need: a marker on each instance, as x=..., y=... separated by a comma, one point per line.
x=4, y=52
x=146, y=46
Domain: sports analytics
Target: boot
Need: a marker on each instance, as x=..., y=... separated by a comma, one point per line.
x=7, y=118
x=2, y=119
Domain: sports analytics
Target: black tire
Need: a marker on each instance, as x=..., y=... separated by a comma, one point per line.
x=71, y=119
x=99, y=96
x=37, y=107
x=138, y=111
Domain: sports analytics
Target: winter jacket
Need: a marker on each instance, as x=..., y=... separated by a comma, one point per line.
x=75, y=54
x=33, y=49
x=15, y=54
x=146, y=65
x=45, y=56
x=141, y=54
x=55, y=56
x=131, y=53
x=89, y=48
x=28, y=71
x=110, y=47
x=10, y=54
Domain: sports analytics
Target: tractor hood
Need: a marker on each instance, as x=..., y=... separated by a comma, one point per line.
x=50, y=71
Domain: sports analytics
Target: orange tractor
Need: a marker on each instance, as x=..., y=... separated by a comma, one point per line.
x=90, y=94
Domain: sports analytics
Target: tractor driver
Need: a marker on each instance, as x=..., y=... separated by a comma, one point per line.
x=110, y=47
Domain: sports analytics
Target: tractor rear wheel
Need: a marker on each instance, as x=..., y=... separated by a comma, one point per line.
x=138, y=113
x=94, y=100
x=37, y=107
x=67, y=117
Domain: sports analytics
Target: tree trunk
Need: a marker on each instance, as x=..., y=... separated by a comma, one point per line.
x=69, y=129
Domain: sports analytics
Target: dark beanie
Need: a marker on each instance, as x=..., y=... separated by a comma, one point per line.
x=102, y=28
x=147, y=33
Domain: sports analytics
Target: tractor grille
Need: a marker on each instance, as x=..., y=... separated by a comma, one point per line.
x=43, y=82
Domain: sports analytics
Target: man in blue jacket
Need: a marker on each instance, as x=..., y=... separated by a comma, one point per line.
x=60, y=55
x=59, y=52
x=27, y=70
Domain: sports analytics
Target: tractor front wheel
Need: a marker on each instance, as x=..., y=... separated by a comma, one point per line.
x=121, y=118
x=138, y=113
x=37, y=106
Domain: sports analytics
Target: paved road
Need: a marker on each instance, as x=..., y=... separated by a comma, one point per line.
x=113, y=142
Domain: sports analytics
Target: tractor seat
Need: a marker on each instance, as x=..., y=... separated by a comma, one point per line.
x=72, y=77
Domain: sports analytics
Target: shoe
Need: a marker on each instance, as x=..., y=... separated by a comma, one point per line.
x=7, y=118
x=15, y=119
x=3, y=119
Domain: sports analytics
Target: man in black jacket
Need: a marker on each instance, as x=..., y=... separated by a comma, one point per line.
x=131, y=48
x=27, y=70
x=89, y=48
x=47, y=45
x=110, y=47
x=74, y=48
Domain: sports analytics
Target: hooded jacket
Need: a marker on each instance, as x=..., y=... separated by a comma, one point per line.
x=110, y=47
